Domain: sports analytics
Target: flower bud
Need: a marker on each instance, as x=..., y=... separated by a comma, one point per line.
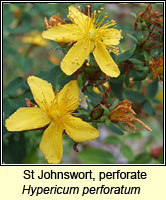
x=97, y=113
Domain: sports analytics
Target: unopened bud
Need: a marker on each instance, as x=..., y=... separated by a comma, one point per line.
x=143, y=23
x=97, y=113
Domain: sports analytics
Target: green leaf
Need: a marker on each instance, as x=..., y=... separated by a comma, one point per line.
x=25, y=64
x=21, y=30
x=127, y=81
x=136, y=61
x=8, y=108
x=82, y=113
x=135, y=96
x=138, y=84
x=57, y=78
x=15, y=151
x=152, y=89
x=143, y=158
x=127, y=54
x=107, y=111
x=90, y=107
x=147, y=107
x=142, y=69
x=113, y=140
x=80, y=80
x=34, y=156
x=107, y=122
x=134, y=136
x=146, y=55
x=115, y=103
x=138, y=75
x=8, y=15
x=94, y=98
x=115, y=129
x=127, y=152
x=92, y=155
x=133, y=38
x=133, y=14
x=13, y=86
x=117, y=89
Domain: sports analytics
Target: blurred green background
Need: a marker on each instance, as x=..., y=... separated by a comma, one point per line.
x=26, y=53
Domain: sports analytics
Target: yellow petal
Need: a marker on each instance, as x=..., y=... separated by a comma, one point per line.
x=112, y=37
x=79, y=130
x=35, y=37
x=104, y=60
x=76, y=16
x=51, y=145
x=68, y=97
x=97, y=91
x=76, y=56
x=42, y=91
x=63, y=33
x=27, y=119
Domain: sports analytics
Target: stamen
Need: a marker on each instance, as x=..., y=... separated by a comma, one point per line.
x=145, y=126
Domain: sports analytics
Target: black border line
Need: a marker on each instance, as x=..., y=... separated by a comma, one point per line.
x=82, y=165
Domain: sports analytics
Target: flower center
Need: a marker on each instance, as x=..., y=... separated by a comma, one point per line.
x=92, y=34
x=57, y=115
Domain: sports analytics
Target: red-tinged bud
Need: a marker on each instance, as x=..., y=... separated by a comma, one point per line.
x=97, y=112
x=156, y=152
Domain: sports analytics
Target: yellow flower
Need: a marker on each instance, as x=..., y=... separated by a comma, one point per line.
x=90, y=36
x=55, y=110
x=124, y=113
x=159, y=96
x=97, y=91
x=54, y=59
x=35, y=38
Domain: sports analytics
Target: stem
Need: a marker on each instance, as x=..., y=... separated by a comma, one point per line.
x=150, y=33
x=148, y=49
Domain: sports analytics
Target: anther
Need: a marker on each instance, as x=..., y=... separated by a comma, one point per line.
x=87, y=64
